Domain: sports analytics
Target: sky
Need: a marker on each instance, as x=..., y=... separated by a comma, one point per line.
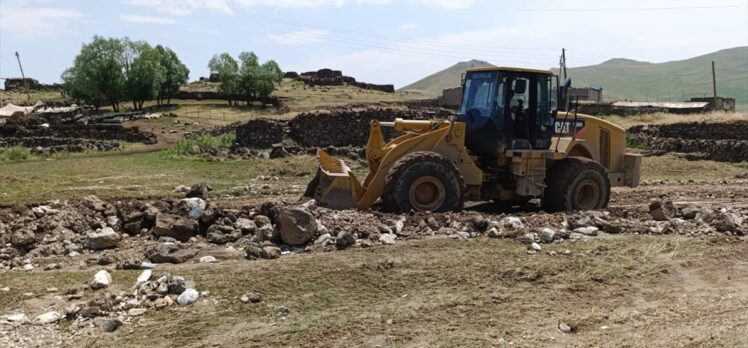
x=378, y=41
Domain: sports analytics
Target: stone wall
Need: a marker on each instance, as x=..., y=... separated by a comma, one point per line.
x=339, y=128
x=328, y=77
x=95, y=132
x=737, y=130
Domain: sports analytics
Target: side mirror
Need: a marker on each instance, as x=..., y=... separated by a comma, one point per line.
x=520, y=86
x=567, y=83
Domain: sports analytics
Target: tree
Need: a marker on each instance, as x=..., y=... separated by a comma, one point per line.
x=246, y=79
x=227, y=67
x=174, y=75
x=97, y=73
x=144, y=75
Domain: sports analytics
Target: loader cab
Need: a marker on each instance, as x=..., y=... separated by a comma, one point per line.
x=508, y=108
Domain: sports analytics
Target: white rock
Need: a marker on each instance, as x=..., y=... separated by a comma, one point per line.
x=48, y=318
x=28, y=267
x=196, y=207
x=144, y=277
x=136, y=312
x=147, y=265
x=102, y=279
x=547, y=235
x=493, y=233
x=16, y=318
x=103, y=239
x=323, y=240
x=188, y=296
x=587, y=231
x=208, y=259
x=399, y=225
x=512, y=223
x=387, y=239
x=536, y=247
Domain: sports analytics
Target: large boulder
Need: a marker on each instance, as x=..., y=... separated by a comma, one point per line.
x=23, y=238
x=170, y=253
x=296, y=226
x=194, y=207
x=220, y=234
x=174, y=226
x=104, y=238
x=199, y=190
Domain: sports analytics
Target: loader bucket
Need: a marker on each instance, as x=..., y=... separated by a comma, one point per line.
x=334, y=186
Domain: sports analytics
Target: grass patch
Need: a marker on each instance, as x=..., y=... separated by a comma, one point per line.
x=14, y=154
x=663, y=118
x=675, y=167
x=202, y=143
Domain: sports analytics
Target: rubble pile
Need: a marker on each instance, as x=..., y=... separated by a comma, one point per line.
x=726, y=142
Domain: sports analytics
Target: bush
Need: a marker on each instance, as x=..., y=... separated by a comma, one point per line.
x=202, y=143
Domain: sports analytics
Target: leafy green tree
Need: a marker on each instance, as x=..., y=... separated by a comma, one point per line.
x=97, y=74
x=175, y=74
x=246, y=79
x=144, y=75
x=228, y=68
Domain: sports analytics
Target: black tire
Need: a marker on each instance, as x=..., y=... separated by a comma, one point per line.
x=576, y=183
x=424, y=171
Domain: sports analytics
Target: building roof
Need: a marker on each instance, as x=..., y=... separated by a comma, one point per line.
x=504, y=68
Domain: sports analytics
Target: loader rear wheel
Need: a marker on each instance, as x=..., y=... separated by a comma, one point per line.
x=576, y=184
x=425, y=182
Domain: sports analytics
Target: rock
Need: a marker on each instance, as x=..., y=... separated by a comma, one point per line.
x=208, y=259
x=527, y=238
x=136, y=312
x=387, y=239
x=195, y=207
x=253, y=297
x=16, y=318
x=493, y=233
x=323, y=240
x=104, y=238
x=512, y=223
x=563, y=327
x=271, y=252
x=661, y=211
x=102, y=279
x=177, y=285
x=536, y=247
x=261, y=220
x=94, y=203
x=188, y=297
x=398, y=227
x=199, y=190
x=282, y=310
x=28, y=267
x=245, y=225
x=144, y=277
x=689, y=212
x=547, y=235
x=220, y=234
x=48, y=318
x=587, y=231
x=170, y=253
x=296, y=226
x=163, y=302
x=432, y=223
x=345, y=240
x=174, y=226
x=107, y=324
x=181, y=189
x=279, y=151
x=479, y=223
x=23, y=238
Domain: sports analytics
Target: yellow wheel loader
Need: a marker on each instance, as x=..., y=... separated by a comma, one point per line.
x=509, y=144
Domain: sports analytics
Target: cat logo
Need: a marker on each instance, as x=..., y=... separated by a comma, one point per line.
x=564, y=127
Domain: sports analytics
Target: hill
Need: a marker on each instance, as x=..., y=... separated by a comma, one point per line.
x=447, y=78
x=631, y=79
x=676, y=80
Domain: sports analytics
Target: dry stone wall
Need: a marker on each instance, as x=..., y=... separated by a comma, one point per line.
x=737, y=130
x=725, y=142
x=338, y=128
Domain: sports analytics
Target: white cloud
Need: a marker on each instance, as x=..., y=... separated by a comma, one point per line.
x=408, y=26
x=300, y=37
x=37, y=22
x=147, y=19
x=290, y=3
x=182, y=7
x=449, y=4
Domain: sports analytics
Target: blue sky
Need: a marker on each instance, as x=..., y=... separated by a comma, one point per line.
x=381, y=41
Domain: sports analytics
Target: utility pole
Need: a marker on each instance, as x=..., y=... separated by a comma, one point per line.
x=563, y=62
x=26, y=83
x=714, y=79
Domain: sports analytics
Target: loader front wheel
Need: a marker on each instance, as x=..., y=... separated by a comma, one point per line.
x=576, y=184
x=424, y=182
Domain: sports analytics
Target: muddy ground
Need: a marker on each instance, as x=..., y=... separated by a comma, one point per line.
x=612, y=290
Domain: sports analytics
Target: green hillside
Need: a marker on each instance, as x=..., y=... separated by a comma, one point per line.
x=633, y=80
x=447, y=78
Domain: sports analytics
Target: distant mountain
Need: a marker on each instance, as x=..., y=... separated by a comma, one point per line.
x=634, y=80
x=675, y=81
x=447, y=78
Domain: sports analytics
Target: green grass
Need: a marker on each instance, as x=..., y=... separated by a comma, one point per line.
x=136, y=175
x=14, y=154
x=202, y=143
